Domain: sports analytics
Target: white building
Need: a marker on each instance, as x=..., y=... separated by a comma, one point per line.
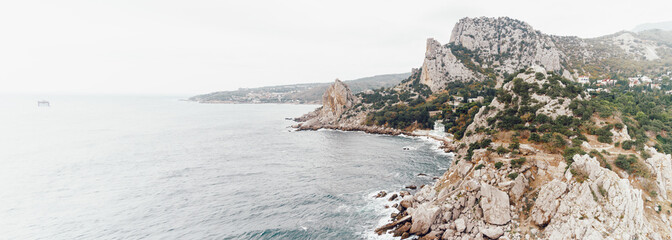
x=646, y=79
x=584, y=80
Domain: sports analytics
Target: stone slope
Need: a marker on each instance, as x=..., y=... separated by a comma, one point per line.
x=542, y=198
x=589, y=202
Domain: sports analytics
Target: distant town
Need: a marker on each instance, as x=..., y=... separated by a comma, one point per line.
x=638, y=82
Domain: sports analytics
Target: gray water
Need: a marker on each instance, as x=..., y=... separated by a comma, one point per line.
x=134, y=167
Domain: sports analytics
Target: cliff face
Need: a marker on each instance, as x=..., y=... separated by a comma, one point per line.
x=337, y=112
x=506, y=45
x=441, y=66
x=494, y=196
x=336, y=100
x=504, y=185
x=502, y=44
x=512, y=43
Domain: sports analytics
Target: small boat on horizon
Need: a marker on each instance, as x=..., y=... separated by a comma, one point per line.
x=43, y=103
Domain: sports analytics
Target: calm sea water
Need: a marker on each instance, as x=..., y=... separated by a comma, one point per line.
x=130, y=167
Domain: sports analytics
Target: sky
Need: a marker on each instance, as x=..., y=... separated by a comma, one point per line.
x=201, y=46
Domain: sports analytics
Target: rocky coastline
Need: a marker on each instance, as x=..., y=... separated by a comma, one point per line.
x=502, y=185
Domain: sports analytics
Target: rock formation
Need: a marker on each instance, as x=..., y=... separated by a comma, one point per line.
x=337, y=113
x=530, y=189
x=518, y=41
x=441, y=66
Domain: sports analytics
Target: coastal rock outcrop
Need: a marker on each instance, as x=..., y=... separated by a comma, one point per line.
x=338, y=112
x=336, y=100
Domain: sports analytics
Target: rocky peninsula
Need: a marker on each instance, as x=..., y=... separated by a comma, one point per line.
x=538, y=156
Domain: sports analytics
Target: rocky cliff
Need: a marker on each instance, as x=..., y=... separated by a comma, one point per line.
x=338, y=112
x=534, y=159
x=510, y=43
x=532, y=192
x=441, y=66
x=490, y=47
x=543, y=202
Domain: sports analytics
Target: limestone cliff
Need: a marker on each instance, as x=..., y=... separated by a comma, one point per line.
x=490, y=47
x=544, y=201
x=338, y=112
x=513, y=43
x=516, y=171
x=441, y=66
x=534, y=192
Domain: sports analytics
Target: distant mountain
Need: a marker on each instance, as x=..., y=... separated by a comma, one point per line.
x=657, y=35
x=297, y=93
x=648, y=26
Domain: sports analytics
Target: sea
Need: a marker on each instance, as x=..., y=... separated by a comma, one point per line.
x=157, y=167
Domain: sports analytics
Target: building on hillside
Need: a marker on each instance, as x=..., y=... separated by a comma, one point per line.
x=646, y=79
x=584, y=80
x=598, y=90
x=606, y=82
x=655, y=86
x=634, y=82
x=476, y=99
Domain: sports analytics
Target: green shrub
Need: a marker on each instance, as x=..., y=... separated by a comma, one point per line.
x=631, y=165
x=534, y=137
x=516, y=163
x=498, y=165
x=514, y=146
x=539, y=76
x=570, y=152
x=479, y=166
x=513, y=176
x=559, y=142
x=604, y=139
x=501, y=150
x=546, y=137
x=576, y=142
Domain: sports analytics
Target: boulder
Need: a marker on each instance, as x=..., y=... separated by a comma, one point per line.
x=495, y=205
x=448, y=234
x=393, y=197
x=406, y=203
x=401, y=230
x=433, y=235
x=519, y=187
x=493, y=233
x=463, y=167
x=547, y=202
x=422, y=218
x=460, y=225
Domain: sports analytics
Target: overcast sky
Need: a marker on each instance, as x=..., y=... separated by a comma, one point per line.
x=192, y=47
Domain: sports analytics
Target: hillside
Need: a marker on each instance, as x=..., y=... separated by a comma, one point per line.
x=296, y=93
x=538, y=154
